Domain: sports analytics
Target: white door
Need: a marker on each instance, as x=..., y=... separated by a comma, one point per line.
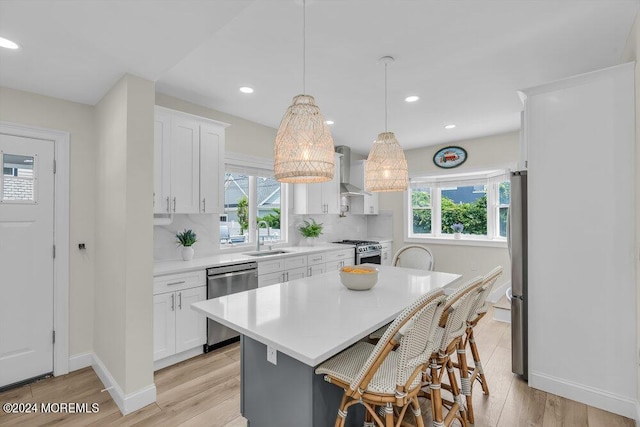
x=26, y=258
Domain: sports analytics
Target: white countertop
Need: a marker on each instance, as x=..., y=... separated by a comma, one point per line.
x=179, y=266
x=314, y=318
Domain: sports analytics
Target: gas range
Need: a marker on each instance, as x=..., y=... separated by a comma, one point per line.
x=367, y=251
x=363, y=245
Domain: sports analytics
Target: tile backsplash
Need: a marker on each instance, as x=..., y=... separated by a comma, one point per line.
x=206, y=227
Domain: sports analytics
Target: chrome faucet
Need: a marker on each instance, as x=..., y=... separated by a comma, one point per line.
x=258, y=233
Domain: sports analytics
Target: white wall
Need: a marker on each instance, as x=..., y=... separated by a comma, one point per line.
x=123, y=338
x=77, y=119
x=497, y=151
x=632, y=53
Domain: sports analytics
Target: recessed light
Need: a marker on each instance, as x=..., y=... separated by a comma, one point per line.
x=246, y=89
x=329, y=122
x=449, y=126
x=412, y=98
x=8, y=44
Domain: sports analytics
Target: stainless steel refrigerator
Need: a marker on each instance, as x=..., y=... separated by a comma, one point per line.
x=517, y=239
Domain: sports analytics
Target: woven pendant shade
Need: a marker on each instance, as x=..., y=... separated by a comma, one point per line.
x=303, y=150
x=386, y=167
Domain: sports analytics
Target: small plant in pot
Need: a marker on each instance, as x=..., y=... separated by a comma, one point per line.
x=311, y=230
x=186, y=239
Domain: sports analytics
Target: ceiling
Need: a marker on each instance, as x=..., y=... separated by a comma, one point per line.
x=465, y=59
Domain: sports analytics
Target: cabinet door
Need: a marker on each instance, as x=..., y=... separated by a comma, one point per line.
x=270, y=278
x=191, y=326
x=371, y=204
x=307, y=199
x=331, y=190
x=386, y=254
x=314, y=270
x=161, y=163
x=164, y=325
x=211, y=168
x=296, y=273
x=185, y=166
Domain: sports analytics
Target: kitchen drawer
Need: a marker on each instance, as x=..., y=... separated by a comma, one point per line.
x=295, y=262
x=178, y=282
x=314, y=259
x=345, y=254
x=266, y=267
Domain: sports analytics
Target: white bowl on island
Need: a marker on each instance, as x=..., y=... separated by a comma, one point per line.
x=359, y=277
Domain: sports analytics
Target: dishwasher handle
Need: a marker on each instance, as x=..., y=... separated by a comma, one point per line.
x=237, y=273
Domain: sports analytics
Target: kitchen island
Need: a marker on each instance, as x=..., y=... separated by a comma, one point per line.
x=300, y=324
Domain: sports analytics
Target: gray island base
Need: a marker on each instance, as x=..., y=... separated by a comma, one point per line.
x=288, y=394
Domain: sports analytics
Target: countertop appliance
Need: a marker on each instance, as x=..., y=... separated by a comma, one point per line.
x=226, y=280
x=517, y=244
x=367, y=251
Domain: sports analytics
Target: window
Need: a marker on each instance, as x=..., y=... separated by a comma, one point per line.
x=18, y=179
x=479, y=202
x=251, y=195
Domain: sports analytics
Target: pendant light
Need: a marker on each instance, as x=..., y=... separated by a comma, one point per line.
x=386, y=167
x=303, y=151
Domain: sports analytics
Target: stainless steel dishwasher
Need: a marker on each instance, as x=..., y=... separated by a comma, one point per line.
x=226, y=280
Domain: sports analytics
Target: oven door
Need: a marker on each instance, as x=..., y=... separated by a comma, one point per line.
x=370, y=257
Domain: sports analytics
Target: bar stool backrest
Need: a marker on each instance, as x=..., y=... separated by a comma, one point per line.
x=453, y=323
x=480, y=305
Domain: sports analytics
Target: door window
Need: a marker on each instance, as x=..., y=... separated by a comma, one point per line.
x=18, y=178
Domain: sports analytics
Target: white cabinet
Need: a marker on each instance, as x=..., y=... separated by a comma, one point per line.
x=386, y=255
x=177, y=327
x=316, y=264
x=341, y=258
x=362, y=205
x=320, y=198
x=188, y=163
x=281, y=270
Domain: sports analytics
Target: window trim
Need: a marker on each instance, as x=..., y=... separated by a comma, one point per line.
x=489, y=178
x=256, y=166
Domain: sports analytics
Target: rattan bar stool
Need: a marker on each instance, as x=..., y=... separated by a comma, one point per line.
x=382, y=379
x=470, y=374
x=451, y=330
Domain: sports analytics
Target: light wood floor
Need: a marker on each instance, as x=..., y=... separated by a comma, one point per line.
x=205, y=391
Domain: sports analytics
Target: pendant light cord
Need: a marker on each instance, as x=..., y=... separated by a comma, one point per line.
x=304, y=47
x=385, y=97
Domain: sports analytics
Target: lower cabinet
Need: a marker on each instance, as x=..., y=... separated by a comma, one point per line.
x=176, y=326
x=341, y=258
x=386, y=253
x=281, y=270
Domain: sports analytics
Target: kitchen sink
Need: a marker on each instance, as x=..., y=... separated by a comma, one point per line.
x=266, y=253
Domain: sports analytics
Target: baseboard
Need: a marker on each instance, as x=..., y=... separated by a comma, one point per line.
x=592, y=396
x=80, y=361
x=126, y=403
x=637, y=413
x=498, y=292
x=177, y=358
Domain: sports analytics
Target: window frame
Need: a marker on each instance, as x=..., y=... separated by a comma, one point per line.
x=491, y=179
x=255, y=167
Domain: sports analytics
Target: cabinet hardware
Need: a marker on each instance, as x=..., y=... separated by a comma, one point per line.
x=175, y=283
x=173, y=302
x=180, y=300
x=309, y=271
x=154, y=199
x=174, y=204
x=204, y=205
x=168, y=205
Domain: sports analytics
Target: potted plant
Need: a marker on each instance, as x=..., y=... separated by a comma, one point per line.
x=311, y=230
x=457, y=230
x=186, y=239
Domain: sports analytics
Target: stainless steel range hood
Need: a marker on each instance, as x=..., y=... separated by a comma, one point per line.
x=347, y=189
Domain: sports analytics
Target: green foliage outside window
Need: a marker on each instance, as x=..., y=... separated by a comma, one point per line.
x=272, y=218
x=243, y=214
x=421, y=202
x=472, y=215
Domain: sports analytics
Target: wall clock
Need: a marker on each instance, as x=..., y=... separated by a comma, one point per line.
x=450, y=157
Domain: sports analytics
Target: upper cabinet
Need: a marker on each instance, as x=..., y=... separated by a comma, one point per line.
x=368, y=204
x=320, y=198
x=188, y=163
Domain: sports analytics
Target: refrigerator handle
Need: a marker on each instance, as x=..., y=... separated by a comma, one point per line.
x=509, y=231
